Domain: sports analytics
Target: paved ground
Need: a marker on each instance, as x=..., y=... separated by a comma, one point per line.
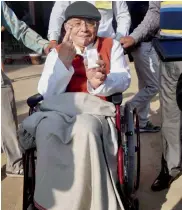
x=25, y=80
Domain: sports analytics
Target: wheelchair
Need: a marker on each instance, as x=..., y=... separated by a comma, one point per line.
x=128, y=157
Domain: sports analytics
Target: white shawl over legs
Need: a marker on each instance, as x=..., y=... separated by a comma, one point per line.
x=76, y=153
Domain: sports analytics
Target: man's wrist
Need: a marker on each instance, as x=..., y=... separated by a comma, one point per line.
x=135, y=37
x=53, y=41
x=118, y=36
x=66, y=62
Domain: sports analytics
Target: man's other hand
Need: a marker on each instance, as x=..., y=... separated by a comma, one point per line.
x=96, y=76
x=127, y=41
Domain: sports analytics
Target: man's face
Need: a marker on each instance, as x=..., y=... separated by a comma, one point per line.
x=83, y=31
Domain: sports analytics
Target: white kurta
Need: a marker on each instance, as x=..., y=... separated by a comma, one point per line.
x=55, y=76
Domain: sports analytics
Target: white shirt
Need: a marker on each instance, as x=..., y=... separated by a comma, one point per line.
x=56, y=76
x=119, y=10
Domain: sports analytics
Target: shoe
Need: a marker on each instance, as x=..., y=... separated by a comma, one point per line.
x=162, y=182
x=150, y=128
x=15, y=174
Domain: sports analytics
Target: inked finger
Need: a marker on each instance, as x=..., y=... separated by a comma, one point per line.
x=67, y=35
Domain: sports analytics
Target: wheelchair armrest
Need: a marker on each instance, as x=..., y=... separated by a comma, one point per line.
x=34, y=100
x=116, y=99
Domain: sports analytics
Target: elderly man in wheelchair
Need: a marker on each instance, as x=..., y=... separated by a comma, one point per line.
x=73, y=128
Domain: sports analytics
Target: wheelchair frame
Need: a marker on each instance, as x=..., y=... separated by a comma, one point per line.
x=128, y=156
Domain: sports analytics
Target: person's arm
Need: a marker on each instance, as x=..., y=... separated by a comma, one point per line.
x=123, y=19
x=150, y=24
x=57, y=19
x=58, y=69
x=55, y=76
x=118, y=80
x=21, y=31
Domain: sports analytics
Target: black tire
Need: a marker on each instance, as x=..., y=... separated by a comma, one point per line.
x=132, y=151
x=29, y=179
x=137, y=149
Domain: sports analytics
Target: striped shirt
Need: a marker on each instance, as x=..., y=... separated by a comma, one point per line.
x=171, y=18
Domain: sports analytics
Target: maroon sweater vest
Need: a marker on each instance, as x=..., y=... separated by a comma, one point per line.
x=78, y=82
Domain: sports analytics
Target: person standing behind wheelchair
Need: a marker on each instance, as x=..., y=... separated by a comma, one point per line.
x=167, y=16
x=107, y=9
x=147, y=68
x=32, y=40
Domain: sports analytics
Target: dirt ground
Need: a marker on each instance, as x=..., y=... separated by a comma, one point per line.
x=25, y=78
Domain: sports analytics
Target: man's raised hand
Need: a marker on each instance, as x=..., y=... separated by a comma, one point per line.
x=66, y=50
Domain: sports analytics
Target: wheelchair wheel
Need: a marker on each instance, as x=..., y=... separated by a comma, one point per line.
x=137, y=148
x=29, y=180
x=132, y=150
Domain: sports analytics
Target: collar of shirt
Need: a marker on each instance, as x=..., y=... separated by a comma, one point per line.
x=78, y=51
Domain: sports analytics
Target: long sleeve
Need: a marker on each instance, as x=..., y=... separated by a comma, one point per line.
x=21, y=31
x=118, y=80
x=123, y=19
x=55, y=76
x=56, y=19
x=150, y=24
